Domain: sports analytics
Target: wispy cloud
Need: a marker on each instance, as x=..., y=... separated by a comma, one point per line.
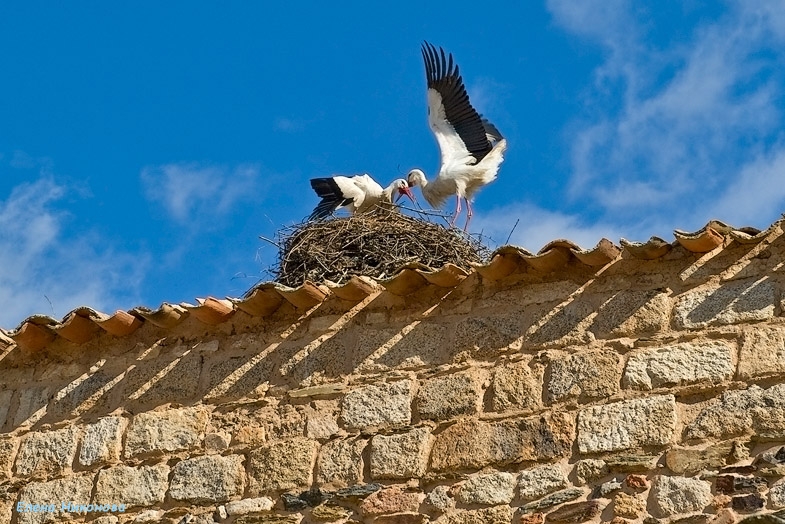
x=685, y=121
x=192, y=192
x=49, y=265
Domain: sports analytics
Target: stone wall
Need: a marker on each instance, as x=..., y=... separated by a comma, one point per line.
x=646, y=391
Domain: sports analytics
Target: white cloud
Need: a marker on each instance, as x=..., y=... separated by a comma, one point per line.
x=48, y=266
x=536, y=227
x=192, y=192
x=672, y=123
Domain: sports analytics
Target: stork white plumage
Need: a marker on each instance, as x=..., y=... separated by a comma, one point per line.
x=472, y=149
x=358, y=194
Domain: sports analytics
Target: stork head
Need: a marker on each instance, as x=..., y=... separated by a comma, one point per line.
x=401, y=188
x=416, y=177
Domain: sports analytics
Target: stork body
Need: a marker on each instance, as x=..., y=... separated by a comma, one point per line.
x=472, y=149
x=358, y=194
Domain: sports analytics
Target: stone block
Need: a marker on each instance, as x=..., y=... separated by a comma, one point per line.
x=631, y=313
x=447, y=397
x=681, y=364
x=753, y=410
x=628, y=506
x=282, y=465
x=777, y=494
x=383, y=405
x=32, y=402
x=162, y=431
x=5, y=404
x=340, y=463
x=391, y=500
x=474, y=444
x=554, y=499
x=102, y=441
x=585, y=376
x=762, y=352
x=245, y=506
x=78, y=396
x=237, y=377
x=212, y=478
x=495, y=515
x=47, y=453
x=488, y=488
x=161, y=380
x=515, y=387
x=133, y=486
x=8, y=447
x=400, y=456
x=733, y=302
x=675, y=495
x=575, y=512
x=440, y=498
x=76, y=489
x=269, y=519
x=588, y=470
x=627, y=424
x=539, y=481
x=691, y=461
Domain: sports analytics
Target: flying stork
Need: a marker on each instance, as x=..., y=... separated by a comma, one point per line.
x=358, y=194
x=471, y=147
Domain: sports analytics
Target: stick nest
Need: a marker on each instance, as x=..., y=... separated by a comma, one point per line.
x=375, y=244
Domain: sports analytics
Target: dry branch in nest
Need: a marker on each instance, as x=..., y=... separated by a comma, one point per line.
x=375, y=244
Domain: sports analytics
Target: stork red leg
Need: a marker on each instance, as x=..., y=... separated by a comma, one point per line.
x=457, y=210
x=468, y=214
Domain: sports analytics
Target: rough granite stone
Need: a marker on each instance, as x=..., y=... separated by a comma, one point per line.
x=537, y=482
x=756, y=410
x=74, y=489
x=628, y=506
x=142, y=486
x=211, y=478
x=575, y=512
x=674, y=495
x=629, y=313
x=269, y=519
x=777, y=494
x=391, y=500
x=245, y=506
x=588, y=470
x=31, y=404
x=286, y=464
x=553, y=499
x=162, y=431
x=340, y=463
x=732, y=302
x=488, y=488
x=47, y=453
x=627, y=424
x=440, y=498
x=8, y=446
x=102, y=441
x=680, y=364
x=384, y=405
x=585, y=376
x=328, y=513
x=474, y=444
x=446, y=397
x=495, y=515
x=400, y=456
x=762, y=352
x=514, y=386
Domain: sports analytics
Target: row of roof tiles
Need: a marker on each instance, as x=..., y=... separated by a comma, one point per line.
x=83, y=324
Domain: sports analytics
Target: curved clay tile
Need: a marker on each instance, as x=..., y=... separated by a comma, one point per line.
x=260, y=301
x=653, y=248
x=750, y=235
x=552, y=256
x=500, y=266
x=167, y=316
x=211, y=311
x=77, y=326
x=305, y=296
x=120, y=324
x=32, y=337
x=701, y=241
x=449, y=275
x=601, y=254
x=405, y=282
x=357, y=288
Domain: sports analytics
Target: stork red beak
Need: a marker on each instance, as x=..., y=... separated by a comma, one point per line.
x=405, y=191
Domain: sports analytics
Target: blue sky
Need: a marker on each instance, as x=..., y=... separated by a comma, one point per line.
x=145, y=147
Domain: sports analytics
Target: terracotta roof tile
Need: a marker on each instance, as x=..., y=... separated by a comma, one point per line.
x=83, y=324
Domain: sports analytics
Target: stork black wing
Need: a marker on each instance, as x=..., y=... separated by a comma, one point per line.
x=331, y=195
x=443, y=76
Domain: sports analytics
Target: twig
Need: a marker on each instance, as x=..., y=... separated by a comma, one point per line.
x=513, y=229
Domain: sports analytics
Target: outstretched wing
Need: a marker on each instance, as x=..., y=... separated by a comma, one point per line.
x=458, y=127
